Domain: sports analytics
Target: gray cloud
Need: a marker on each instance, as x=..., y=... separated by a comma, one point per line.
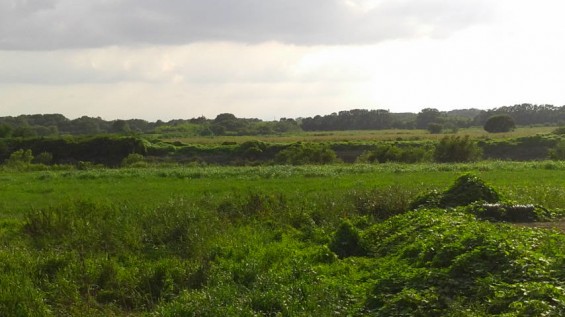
x=62, y=24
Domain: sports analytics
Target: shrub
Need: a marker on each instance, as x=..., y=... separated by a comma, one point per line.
x=346, y=241
x=499, y=123
x=251, y=150
x=452, y=149
x=134, y=159
x=310, y=153
x=20, y=158
x=557, y=153
x=44, y=158
x=384, y=153
x=559, y=131
x=435, y=128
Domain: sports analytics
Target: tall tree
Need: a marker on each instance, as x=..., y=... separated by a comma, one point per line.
x=427, y=116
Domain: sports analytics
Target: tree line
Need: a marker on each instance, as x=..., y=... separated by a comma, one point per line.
x=228, y=124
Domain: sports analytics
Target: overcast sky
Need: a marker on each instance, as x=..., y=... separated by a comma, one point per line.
x=155, y=59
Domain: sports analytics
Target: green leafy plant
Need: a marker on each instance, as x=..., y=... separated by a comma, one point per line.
x=20, y=159
x=465, y=190
x=346, y=241
x=451, y=149
x=557, y=153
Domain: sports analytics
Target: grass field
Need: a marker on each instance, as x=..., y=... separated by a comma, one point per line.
x=370, y=135
x=536, y=182
x=333, y=240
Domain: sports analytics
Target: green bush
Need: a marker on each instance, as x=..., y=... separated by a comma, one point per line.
x=20, y=158
x=452, y=149
x=134, y=159
x=45, y=158
x=499, y=123
x=346, y=241
x=557, y=153
x=251, y=150
x=306, y=153
x=559, y=131
x=384, y=153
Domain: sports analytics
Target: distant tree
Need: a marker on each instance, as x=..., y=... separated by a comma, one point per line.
x=228, y=122
x=85, y=125
x=499, y=123
x=5, y=131
x=205, y=131
x=286, y=125
x=525, y=114
x=356, y=119
x=435, y=128
x=45, y=131
x=199, y=120
x=222, y=117
x=120, y=126
x=24, y=132
x=427, y=116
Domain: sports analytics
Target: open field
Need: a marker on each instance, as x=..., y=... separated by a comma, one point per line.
x=363, y=135
x=333, y=240
x=535, y=182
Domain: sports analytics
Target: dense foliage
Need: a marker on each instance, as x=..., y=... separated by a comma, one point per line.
x=524, y=114
x=228, y=124
x=457, y=149
x=260, y=253
x=112, y=150
x=499, y=123
x=107, y=150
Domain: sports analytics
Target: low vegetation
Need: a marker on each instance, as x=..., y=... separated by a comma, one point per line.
x=283, y=240
x=388, y=223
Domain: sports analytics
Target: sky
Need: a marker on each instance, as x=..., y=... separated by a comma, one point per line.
x=267, y=59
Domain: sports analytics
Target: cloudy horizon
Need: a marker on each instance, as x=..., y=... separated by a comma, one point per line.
x=153, y=60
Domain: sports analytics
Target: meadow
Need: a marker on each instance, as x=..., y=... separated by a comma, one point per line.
x=477, y=133
x=275, y=240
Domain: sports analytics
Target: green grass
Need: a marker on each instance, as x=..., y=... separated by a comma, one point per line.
x=19, y=191
x=274, y=241
x=362, y=135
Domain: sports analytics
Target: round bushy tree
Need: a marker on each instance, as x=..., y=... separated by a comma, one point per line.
x=499, y=123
